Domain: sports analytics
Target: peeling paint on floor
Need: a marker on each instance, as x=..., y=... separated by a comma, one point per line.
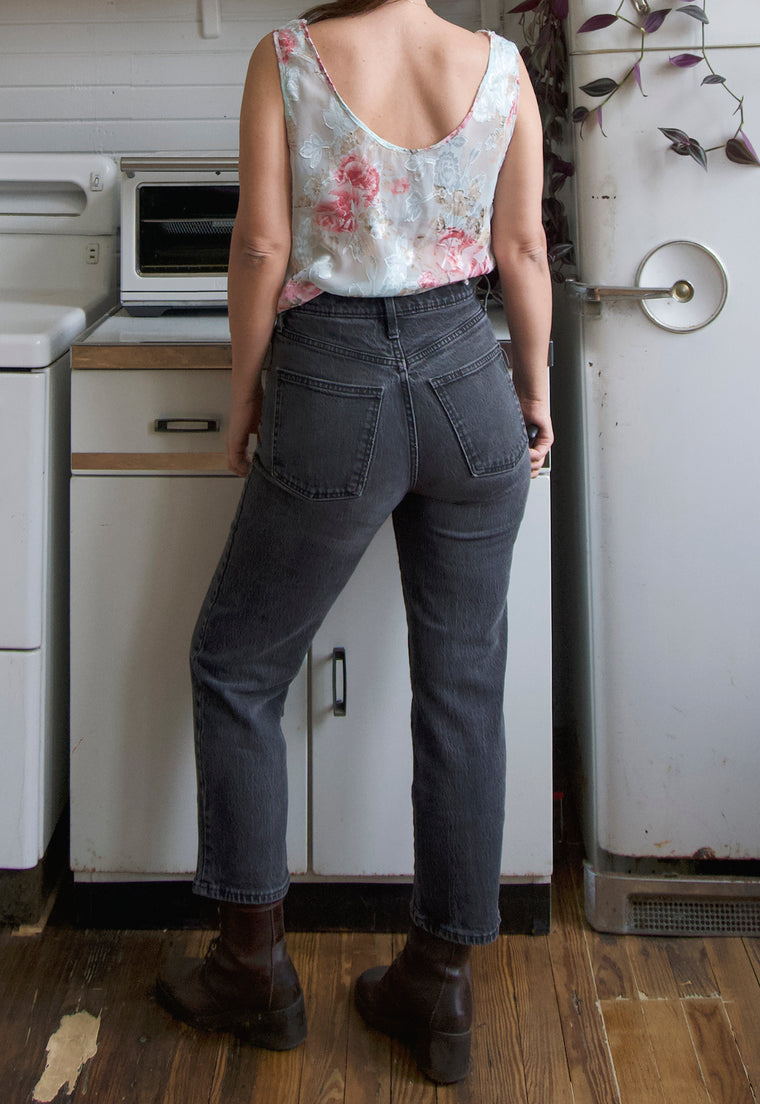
x=70, y=1047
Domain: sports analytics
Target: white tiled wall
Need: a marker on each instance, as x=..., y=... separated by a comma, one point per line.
x=136, y=75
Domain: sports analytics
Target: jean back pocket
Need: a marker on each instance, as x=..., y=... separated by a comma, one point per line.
x=323, y=435
x=484, y=411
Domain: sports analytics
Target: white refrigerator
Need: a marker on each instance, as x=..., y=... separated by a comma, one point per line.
x=659, y=421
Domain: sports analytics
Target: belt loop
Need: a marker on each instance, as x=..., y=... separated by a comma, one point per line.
x=391, y=319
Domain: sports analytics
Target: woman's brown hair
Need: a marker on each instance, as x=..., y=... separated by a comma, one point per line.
x=339, y=8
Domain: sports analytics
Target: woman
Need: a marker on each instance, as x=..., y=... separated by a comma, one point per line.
x=387, y=158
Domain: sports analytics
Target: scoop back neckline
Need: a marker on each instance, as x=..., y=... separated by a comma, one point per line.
x=368, y=130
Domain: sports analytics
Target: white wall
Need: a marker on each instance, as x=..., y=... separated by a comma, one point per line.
x=135, y=75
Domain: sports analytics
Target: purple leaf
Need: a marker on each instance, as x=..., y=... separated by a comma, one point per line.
x=580, y=114
x=597, y=23
x=676, y=136
x=637, y=77
x=713, y=78
x=601, y=87
x=740, y=151
x=560, y=8
x=685, y=61
x=655, y=20
x=696, y=151
x=747, y=142
x=526, y=6
x=694, y=12
x=599, y=119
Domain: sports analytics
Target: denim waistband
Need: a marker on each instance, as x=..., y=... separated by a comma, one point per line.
x=365, y=307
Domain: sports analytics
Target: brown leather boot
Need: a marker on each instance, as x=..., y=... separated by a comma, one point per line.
x=424, y=998
x=246, y=984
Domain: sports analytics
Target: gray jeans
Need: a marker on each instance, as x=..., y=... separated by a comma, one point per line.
x=372, y=407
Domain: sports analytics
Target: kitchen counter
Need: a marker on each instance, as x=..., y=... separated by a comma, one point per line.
x=120, y=328
x=168, y=341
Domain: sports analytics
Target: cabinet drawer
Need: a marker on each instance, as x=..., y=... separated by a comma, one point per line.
x=149, y=420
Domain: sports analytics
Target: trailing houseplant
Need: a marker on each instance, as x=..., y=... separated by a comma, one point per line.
x=737, y=147
x=545, y=57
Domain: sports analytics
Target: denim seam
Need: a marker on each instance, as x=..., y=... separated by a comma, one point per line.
x=431, y=350
x=337, y=350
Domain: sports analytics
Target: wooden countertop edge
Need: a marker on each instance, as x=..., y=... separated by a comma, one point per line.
x=211, y=463
x=151, y=357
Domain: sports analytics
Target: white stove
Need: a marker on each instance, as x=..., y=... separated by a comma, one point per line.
x=58, y=276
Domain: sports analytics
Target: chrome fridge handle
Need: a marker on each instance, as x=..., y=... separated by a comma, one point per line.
x=682, y=291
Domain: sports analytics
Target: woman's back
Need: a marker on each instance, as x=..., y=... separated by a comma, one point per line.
x=410, y=76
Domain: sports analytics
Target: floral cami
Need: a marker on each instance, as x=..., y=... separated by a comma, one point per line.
x=374, y=219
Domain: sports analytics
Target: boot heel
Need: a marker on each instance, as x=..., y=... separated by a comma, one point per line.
x=444, y=1058
x=280, y=1030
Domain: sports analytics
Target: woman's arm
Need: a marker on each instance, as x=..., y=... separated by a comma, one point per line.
x=519, y=247
x=260, y=244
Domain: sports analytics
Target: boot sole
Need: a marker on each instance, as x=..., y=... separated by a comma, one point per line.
x=282, y=1029
x=440, y=1055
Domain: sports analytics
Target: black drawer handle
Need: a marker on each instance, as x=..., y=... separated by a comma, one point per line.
x=186, y=425
x=339, y=700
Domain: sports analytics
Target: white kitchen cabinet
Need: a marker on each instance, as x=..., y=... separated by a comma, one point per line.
x=143, y=551
x=150, y=513
x=361, y=762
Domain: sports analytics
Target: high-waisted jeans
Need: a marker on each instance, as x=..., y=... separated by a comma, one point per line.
x=372, y=407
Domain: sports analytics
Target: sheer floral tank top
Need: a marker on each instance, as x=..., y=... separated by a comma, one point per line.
x=374, y=219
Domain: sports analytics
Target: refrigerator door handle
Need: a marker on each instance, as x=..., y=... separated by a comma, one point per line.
x=682, y=291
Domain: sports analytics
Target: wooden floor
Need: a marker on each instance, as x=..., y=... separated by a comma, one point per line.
x=569, y=1018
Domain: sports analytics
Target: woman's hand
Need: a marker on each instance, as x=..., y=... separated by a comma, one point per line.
x=537, y=417
x=245, y=416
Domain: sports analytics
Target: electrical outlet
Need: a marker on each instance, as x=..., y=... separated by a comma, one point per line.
x=93, y=253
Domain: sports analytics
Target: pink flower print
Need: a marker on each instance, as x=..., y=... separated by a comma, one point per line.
x=456, y=253
x=336, y=213
x=426, y=281
x=287, y=41
x=361, y=177
x=400, y=186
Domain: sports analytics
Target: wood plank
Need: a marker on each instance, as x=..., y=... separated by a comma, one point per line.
x=719, y=1058
x=635, y=1068
x=652, y=968
x=324, y=1069
x=691, y=968
x=543, y=1051
x=34, y=976
x=368, y=1065
x=752, y=947
x=676, y=1061
x=740, y=990
x=137, y=1038
x=148, y=356
x=497, y=1072
x=210, y=463
x=611, y=966
x=588, y=1055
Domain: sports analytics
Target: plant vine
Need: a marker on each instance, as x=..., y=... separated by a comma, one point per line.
x=738, y=147
x=545, y=57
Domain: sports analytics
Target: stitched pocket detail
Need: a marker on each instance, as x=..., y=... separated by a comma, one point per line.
x=323, y=435
x=481, y=404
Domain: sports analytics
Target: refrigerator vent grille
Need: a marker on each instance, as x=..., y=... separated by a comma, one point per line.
x=682, y=916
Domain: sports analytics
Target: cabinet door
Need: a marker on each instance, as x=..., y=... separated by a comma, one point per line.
x=143, y=551
x=527, y=849
x=362, y=762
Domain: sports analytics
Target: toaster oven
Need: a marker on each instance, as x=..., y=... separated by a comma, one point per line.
x=177, y=214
